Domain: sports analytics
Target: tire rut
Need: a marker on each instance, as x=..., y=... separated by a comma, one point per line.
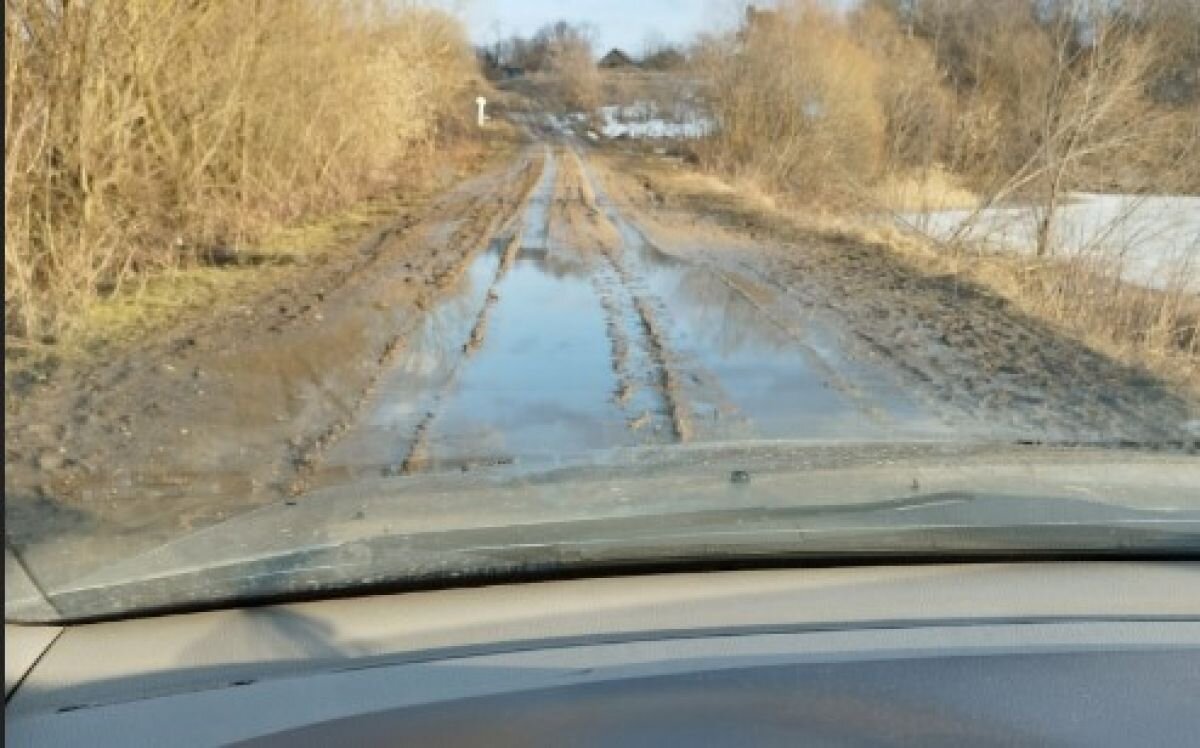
x=309, y=455
x=417, y=456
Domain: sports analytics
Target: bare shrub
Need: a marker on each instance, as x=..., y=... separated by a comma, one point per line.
x=1017, y=103
x=917, y=105
x=795, y=100
x=1066, y=107
x=578, y=80
x=138, y=130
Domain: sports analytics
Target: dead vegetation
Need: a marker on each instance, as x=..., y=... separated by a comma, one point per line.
x=1015, y=98
x=559, y=56
x=140, y=137
x=797, y=104
x=1158, y=329
x=1155, y=330
x=574, y=73
x=933, y=104
x=577, y=220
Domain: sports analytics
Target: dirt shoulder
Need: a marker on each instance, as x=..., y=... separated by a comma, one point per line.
x=227, y=400
x=961, y=345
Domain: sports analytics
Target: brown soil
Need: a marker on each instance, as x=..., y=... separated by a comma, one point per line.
x=233, y=407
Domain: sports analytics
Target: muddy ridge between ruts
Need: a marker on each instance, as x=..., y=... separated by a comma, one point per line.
x=593, y=233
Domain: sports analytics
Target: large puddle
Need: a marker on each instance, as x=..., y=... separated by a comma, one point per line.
x=777, y=372
x=541, y=386
x=559, y=353
x=786, y=379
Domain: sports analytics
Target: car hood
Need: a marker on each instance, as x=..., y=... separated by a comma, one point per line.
x=785, y=500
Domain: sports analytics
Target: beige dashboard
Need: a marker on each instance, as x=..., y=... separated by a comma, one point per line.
x=73, y=682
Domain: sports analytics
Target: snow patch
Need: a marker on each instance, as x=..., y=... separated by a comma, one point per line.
x=1154, y=240
x=643, y=120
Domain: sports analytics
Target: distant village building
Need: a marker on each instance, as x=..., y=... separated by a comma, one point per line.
x=494, y=69
x=616, y=59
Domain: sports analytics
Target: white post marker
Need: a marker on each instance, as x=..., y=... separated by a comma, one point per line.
x=481, y=103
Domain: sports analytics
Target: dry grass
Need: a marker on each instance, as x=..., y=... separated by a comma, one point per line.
x=924, y=190
x=139, y=133
x=797, y=105
x=283, y=255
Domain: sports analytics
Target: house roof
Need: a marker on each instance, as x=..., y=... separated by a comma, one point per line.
x=616, y=59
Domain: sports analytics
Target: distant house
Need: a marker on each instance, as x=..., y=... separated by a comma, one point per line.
x=616, y=59
x=494, y=68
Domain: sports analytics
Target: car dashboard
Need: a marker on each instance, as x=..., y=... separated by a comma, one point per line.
x=1086, y=653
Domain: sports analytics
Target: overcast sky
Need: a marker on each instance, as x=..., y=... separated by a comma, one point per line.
x=616, y=23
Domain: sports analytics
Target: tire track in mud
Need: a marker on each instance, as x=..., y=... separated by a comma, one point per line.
x=814, y=359
x=639, y=391
x=681, y=378
x=639, y=357
x=640, y=351
x=913, y=380
x=681, y=415
x=308, y=456
x=736, y=283
x=417, y=456
x=571, y=230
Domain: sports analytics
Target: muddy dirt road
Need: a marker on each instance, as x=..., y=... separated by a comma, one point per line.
x=573, y=334
x=579, y=333
x=545, y=313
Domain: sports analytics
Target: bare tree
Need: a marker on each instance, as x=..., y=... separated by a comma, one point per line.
x=795, y=99
x=1092, y=111
x=569, y=58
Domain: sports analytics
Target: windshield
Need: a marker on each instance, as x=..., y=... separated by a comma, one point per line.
x=314, y=296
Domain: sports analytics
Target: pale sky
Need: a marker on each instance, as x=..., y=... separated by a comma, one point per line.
x=616, y=23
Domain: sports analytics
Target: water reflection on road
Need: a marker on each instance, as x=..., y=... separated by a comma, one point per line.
x=563, y=351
